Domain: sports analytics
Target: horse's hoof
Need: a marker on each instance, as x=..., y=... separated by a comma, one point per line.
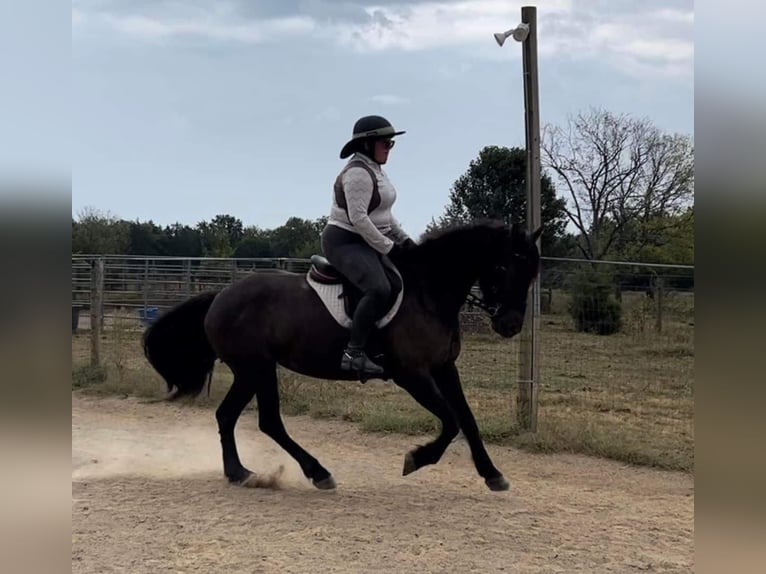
x=240, y=478
x=409, y=464
x=498, y=483
x=325, y=484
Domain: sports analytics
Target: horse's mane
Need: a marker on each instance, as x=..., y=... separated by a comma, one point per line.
x=458, y=240
x=459, y=229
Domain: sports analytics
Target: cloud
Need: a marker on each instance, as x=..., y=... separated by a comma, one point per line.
x=329, y=114
x=248, y=33
x=389, y=99
x=641, y=44
x=642, y=41
x=430, y=25
x=218, y=22
x=675, y=16
x=451, y=70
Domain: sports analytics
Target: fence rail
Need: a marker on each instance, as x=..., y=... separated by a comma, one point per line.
x=163, y=281
x=141, y=287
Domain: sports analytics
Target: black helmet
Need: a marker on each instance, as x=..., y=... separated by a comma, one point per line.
x=368, y=127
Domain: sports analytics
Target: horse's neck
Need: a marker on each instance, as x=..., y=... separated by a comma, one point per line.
x=451, y=267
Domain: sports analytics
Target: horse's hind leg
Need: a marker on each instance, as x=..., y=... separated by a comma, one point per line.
x=270, y=422
x=423, y=390
x=240, y=393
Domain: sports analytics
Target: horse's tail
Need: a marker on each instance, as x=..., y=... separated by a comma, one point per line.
x=178, y=349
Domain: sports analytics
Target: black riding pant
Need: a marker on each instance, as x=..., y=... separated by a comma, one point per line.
x=350, y=254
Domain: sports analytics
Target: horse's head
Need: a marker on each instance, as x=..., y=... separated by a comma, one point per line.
x=505, y=280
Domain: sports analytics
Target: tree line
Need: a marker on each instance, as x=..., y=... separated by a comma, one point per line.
x=612, y=187
x=97, y=233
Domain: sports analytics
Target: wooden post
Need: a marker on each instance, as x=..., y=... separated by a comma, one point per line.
x=187, y=278
x=529, y=348
x=146, y=286
x=96, y=310
x=659, y=290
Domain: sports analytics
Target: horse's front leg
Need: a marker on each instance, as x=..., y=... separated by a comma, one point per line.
x=423, y=390
x=448, y=382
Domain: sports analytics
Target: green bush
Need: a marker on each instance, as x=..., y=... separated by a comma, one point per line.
x=87, y=376
x=593, y=306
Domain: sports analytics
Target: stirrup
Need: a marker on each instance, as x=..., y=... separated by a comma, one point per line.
x=358, y=361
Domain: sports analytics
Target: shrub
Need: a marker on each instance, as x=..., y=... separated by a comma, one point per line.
x=593, y=306
x=87, y=376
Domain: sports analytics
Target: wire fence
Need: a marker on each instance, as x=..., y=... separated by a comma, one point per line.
x=140, y=288
x=645, y=294
x=140, y=284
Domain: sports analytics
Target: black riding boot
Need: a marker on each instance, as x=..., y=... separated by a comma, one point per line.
x=354, y=357
x=357, y=360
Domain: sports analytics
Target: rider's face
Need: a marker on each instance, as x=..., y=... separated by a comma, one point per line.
x=382, y=149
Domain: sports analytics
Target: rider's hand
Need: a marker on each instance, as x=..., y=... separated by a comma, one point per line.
x=400, y=248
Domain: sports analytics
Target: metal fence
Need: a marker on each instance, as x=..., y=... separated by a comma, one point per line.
x=135, y=285
x=139, y=288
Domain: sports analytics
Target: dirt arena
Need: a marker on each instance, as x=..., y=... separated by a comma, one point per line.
x=148, y=495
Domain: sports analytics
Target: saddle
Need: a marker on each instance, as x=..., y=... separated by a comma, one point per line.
x=341, y=297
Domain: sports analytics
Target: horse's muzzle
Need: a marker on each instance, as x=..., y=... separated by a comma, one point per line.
x=508, y=324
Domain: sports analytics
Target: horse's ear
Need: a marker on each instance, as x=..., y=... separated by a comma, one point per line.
x=536, y=235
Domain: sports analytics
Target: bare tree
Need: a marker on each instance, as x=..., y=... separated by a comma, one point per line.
x=619, y=173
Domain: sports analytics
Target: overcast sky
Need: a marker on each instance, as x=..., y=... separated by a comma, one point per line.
x=187, y=109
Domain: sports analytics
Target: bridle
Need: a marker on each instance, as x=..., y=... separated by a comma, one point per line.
x=479, y=302
x=492, y=310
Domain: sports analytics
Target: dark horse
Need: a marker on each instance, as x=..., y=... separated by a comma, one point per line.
x=268, y=319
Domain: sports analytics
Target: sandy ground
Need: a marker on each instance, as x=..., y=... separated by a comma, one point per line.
x=148, y=495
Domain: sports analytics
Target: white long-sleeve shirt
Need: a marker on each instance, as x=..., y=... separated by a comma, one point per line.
x=379, y=227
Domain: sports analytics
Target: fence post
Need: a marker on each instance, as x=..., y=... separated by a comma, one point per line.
x=96, y=309
x=187, y=278
x=659, y=291
x=529, y=349
x=146, y=285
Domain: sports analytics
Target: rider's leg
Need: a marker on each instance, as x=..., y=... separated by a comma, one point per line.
x=371, y=307
x=363, y=266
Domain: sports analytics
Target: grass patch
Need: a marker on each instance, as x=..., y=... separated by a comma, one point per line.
x=392, y=420
x=600, y=437
x=86, y=376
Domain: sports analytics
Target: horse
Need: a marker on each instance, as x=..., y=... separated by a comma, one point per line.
x=270, y=319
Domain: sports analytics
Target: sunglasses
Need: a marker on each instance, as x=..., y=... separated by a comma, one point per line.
x=387, y=144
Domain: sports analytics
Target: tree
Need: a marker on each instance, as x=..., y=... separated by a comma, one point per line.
x=661, y=239
x=145, y=238
x=619, y=172
x=296, y=238
x=495, y=187
x=181, y=241
x=221, y=235
x=99, y=233
x=256, y=242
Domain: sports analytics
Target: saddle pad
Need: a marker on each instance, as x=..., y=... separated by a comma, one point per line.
x=330, y=295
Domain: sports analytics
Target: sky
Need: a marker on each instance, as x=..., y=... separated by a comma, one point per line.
x=183, y=110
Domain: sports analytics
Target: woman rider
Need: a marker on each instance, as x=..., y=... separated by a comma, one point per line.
x=361, y=229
